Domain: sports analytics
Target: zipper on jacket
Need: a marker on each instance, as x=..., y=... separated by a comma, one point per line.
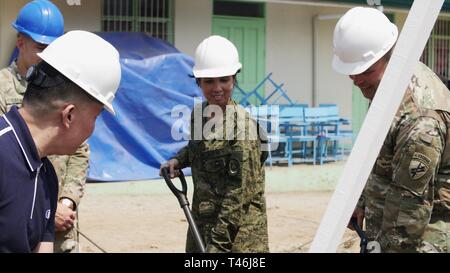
x=35, y=190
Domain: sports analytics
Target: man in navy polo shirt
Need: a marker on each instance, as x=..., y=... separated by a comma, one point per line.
x=28, y=189
x=78, y=77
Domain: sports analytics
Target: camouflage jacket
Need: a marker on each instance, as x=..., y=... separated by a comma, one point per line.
x=405, y=193
x=229, y=205
x=71, y=170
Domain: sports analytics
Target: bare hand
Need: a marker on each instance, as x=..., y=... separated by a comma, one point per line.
x=173, y=165
x=64, y=218
x=358, y=213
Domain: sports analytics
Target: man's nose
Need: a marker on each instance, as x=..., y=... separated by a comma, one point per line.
x=217, y=86
x=356, y=79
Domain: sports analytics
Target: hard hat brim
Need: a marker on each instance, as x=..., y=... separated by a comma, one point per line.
x=216, y=73
x=46, y=40
x=107, y=105
x=351, y=68
x=38, y=38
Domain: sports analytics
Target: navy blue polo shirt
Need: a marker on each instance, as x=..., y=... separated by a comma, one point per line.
x=28, y=189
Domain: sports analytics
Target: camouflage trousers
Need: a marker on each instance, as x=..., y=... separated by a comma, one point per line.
x=247, y=242
x=252, y=235
x=67, y=242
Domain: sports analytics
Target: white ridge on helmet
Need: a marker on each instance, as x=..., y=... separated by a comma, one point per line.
x=216, y=57
x=89, y=61
x=361, y=38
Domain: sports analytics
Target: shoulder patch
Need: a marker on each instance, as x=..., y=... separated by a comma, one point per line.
x=419, y=166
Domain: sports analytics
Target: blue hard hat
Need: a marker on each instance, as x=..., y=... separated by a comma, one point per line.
x=41, y=20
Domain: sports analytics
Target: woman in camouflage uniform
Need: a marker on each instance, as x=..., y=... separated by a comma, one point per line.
x=227, y=163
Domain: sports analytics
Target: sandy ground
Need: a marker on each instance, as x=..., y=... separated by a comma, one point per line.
x=144, y=217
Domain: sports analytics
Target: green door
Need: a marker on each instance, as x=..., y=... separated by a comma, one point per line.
x=360, y=106
x=248, y=34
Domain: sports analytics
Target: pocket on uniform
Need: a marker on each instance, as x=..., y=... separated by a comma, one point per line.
x=215, y=165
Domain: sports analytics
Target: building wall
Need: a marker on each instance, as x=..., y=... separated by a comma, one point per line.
x=290, y=55
x=289, y=48
x=85, y=17
x=193, y=23
x=8, y=13
x=331, y=87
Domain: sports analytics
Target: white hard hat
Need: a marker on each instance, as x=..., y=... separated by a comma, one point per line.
x=216, y=57
x=89, y=61
x=361, y=38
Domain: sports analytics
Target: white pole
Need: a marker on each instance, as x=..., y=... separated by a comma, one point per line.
x=387, y=100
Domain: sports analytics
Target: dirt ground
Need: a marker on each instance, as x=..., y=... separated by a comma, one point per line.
x=144, y=217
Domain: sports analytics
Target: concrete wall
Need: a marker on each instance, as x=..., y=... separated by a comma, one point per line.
x=330, y=86
x=8, y=13
x=290, y=55
x=193, y=23
x=86, y=17
x=289, y=48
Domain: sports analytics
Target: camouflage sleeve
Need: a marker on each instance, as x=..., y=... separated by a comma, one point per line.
x=2, y=103
x=3, y=108
x=183, y=157
x=243, y=174
x=74, y=181
x=409, y=201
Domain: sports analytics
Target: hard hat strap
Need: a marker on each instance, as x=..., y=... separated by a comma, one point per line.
x=44, y=76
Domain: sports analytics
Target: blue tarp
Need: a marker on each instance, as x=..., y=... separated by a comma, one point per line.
x=155, y=78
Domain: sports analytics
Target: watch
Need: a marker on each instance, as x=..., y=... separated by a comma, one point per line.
x=67, y=202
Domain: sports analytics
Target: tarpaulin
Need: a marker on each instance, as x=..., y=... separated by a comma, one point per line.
x=155, y=79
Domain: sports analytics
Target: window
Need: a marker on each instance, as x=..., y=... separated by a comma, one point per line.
x=244, y=9
x=436, y=54
x=149, y=16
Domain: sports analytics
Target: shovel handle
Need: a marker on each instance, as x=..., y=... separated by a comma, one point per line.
x=361, y=235
x=175, y=190
x=184, y=203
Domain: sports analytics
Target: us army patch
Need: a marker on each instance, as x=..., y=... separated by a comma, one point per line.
x=419, y=166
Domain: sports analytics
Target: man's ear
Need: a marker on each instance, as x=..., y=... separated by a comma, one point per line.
x=20, y=42
x=67, y=115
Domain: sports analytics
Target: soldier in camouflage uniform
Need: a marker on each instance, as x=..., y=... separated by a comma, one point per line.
x=229, y=205
x=71, y=170
x=406, y=200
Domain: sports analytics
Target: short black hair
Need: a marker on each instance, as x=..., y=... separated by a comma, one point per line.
x=47, y=88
